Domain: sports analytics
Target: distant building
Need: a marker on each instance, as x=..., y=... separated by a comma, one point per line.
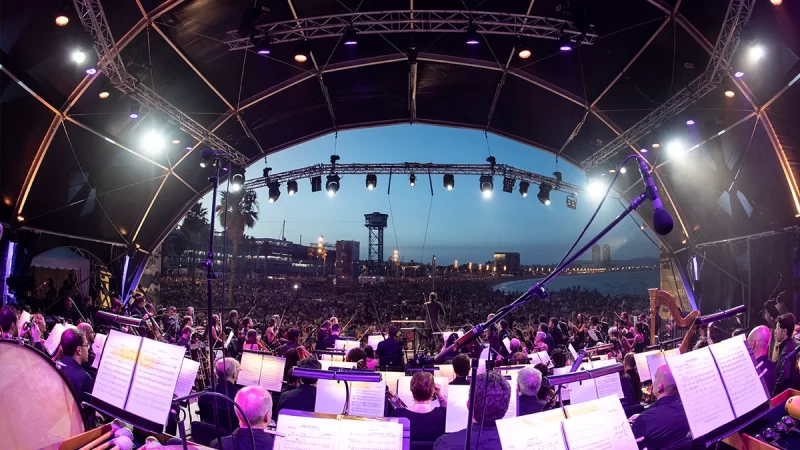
x=507, y=262
x=596, y=256
x=606, y=255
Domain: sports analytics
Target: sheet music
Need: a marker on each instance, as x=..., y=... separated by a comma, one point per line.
x=271, y=372
x=391, y=379
x=609, y=385
x=535, y=359
x=593, y=335
x=594, y=432
x=512, y=403
x=369, y=435
x=326, y=364
x=154, y=380
x=507, y=343
x=303, y=433
x=187, y=377
x=456, y=413
x=404, y=389
x=641, y=364
x=582, y=391
x=545, y=358
x=97, y=348
x=445, y=371
x=250, y=372
x=696, y=375
x=374, y=339
x=116, y=368
x=742, y=384
x=229, y=339
x=54, y=338
x=531, y=433
x=367, y=399
x=346, y=345
x=573, y=352
x=654, y=361
x=608, y=407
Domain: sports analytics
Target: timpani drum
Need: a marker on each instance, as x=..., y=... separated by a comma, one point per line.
x=40, y=408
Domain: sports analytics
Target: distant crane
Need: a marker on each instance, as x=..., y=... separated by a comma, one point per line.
x=283, y=229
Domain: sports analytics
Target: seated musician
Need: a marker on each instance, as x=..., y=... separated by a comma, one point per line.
x=371, y=361
x=539, y=343
x=304, y=396
x=8, y=328
x=116, y=306
x=330, y=340
x=426, y=421
x=529, y=380
x=358, y=356
x=232, y=325
x=69, y=311
x=226, y=370
x=74, y=354
x=185, y=338
x=251, y=341
x=785, y=368
x=88, y=331
x=461, y=365
x=138, y=309
x=291, y=336
x=390, y=352
x=759, y=341
x=170, y=324
x=545, y=392
x=631, y=380
x=664, y=424
x=256, y=403
x=187, y=321
x=492, y=390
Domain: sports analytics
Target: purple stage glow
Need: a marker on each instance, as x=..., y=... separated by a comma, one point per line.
x=472, y=42
x=643, y=150
x=133, y=115
x=566, y=48
x=738, y=74
x=91, y=71
x=350, y=42
x=263, y=51
x=690, y=122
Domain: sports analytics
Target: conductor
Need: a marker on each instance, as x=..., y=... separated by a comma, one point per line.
x=432, y=309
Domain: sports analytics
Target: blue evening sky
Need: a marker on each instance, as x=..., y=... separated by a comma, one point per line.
x=463, y=225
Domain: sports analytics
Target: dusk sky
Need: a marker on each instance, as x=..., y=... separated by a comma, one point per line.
x=463, y=225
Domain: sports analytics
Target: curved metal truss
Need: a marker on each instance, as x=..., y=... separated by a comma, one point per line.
x=409, y=168
x=414, y=21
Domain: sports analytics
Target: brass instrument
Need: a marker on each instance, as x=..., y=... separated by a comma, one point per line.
x=150, y=322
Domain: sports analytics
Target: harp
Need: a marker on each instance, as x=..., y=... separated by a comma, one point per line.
x=660, y=298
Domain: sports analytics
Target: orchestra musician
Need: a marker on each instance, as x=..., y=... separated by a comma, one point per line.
x=138, y=309
x=271, y=333
x=330, y=340
x=185, y=338
x=233, y=322
x=433, y=310
x=190, y=313
x=216, y=332
x=291, y=341
x=74, y=355
x=116, y=306
x=324, y=331
x=170, y=323
x=390, y=352
x=8, y=328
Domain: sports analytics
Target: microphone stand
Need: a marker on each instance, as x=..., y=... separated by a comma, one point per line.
x=211, y=276
x=537, y=290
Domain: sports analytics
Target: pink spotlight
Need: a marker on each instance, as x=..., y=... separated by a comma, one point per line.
x=690, y=122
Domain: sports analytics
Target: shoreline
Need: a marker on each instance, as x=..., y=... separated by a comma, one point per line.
x=504, y=285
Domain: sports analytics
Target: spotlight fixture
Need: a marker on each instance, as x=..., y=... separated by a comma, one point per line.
x=91, y=71
x=412, y=180
x=449, y=181
x=738, y=74
x=237, y=181
x=302, y=53
x=730, y=94
x=372, y=181
x=755, y=53
x=508, y=184
x=78, y=56
x=623, y=170
x=676, y=149
x=487, y=185
x=152, y=142
x=690, y=122
x=274, y=191
x=523, y=188
x=612, y=169
x=263, y=47
x=61, y=19
x=641, y=227
x=133, y=113
x=104, y=94
x=643, y=150
x=656, y=145
x=572, y=202
x=291, y=187
x=472, y=34
x=544, y=193
x=20, y=218
x=523, y=50
x=774, y=2
x=175, y=142
x=203, y=164
x=564, y=43
x=316, y=183
x=350, y=36
x=332, y=185
x=596, y=188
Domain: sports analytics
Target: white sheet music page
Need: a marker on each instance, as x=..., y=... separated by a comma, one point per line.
x=609, y=407
x=594, y=432
x=512, y=403
x=97, y=348
x=391, y=379
x=609, y=385
x=154, y=380
x=271, y=373
x=54, y=338
x=582, y=391
x=697, y=378
x=344, y=364
x=445, y=371
x=545, y=358
x=654, y=361
x=533, y=432
x=250, y=372
x=116, y=368
x=374, y=339
x=534, y=357
x=355, y=434
x=739, y=375
x=303, y=433
x=456, y=413
x=331, y=395
x=641, y=364
x=187, y=377
x=366, y=399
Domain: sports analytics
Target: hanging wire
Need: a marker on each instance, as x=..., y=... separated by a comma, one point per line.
x=488, y=149
x=425, y=237
x=394, y=228
x=335, y=143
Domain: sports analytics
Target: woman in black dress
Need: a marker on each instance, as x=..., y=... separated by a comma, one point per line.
x=427, y=422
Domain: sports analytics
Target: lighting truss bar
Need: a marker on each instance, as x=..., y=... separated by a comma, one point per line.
x=110, y=62
x=501, y=170
x=718, y=66
x=413, y=21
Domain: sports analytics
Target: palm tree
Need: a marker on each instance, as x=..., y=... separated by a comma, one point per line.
x=241, y=213
x=194, y=224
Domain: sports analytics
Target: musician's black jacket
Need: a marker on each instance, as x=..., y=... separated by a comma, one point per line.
x=390, y=353
x=786, y=368
x=78, y=378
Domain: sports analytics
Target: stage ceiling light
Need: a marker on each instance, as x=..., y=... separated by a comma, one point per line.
x=372, y=181
x=302, y=53
x=449, y=181
x=263, y=46
x=332, y=185
x=104, y=94
x=544, y=193
x=62, y=20
x=755, y=53
x=412, y=180
x=730, y=94
x=690, y=122
x=133, y=112
x=564, y=43
x=676, y=149
x=274, y=191
x=487, y=185
x=623, y=170
x=523, y=188
x=237, y=181
x=153, y=142
x=572, y=202
x=596, y=188
x=291, y=187
x=738, y=74
x=91, y=71
x=350, y=36
x=78, y=56
x=472, y=35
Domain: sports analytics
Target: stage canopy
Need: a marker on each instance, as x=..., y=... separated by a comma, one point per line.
x=71, y=161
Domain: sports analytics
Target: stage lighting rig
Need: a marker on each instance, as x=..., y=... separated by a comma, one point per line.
x=544, y=193
x=523, y=188
x=449, y=181
x=302, y=53
x=274, y=191
x=572, y=202
x=412, y=180
x=291, y=187
x=133, y=112
x=487, y=185
x=472, y=35
x=237, y=179
x=263, y=46
x=372, y=181
x=316, y=184
x=332, y=185
x=508, y=184
x=350, y=36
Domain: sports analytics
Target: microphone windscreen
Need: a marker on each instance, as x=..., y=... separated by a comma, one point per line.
x=207, y=154
x=662, y=222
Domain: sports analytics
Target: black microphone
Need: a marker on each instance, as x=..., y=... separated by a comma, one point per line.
x=662, y=221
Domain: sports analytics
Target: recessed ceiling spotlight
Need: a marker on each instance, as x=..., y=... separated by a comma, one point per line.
x=104, y=94
x=729, y=94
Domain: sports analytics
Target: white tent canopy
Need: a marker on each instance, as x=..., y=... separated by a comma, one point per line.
x=61, y=258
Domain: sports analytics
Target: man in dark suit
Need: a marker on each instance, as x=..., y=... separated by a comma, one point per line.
x=759, y=341
x=785, y=367
x=461, y=365
x=292, y=336
x=663, y=425
x=226, y=370
x=389, y=351
x=529, y=380
x=493, y=391
x=75, y=353
x=256, y=402
x=304, y=396
x=330, y=340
